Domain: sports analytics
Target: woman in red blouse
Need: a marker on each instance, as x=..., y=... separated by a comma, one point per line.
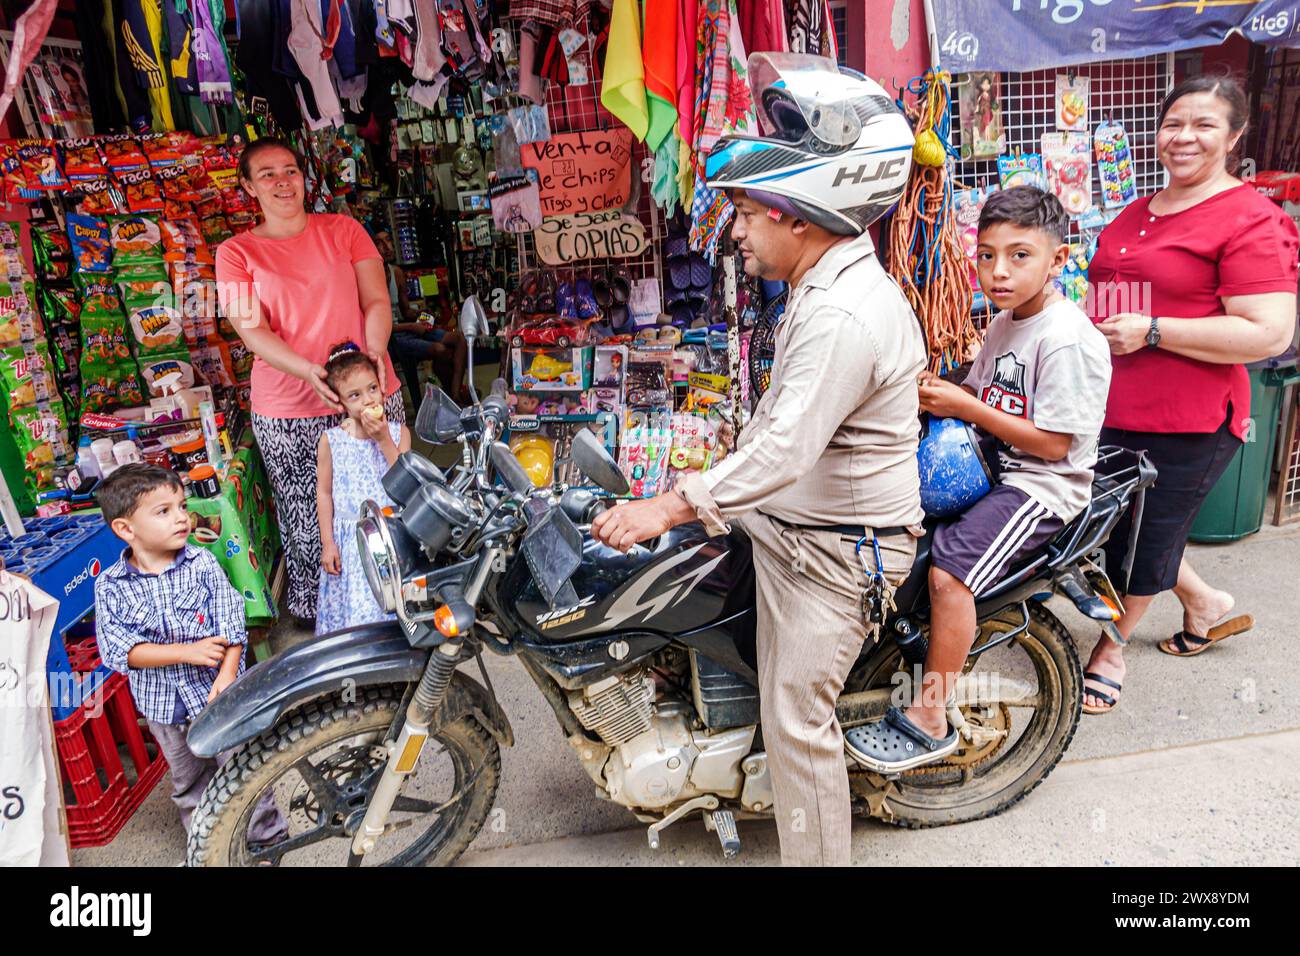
x=1188, y=284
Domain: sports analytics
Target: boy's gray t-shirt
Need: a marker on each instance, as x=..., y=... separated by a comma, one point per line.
x=1052, y=369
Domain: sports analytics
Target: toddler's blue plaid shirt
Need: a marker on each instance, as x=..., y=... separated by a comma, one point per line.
x=189, y=601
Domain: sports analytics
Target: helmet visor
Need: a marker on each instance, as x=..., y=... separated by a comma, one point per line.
x=798, y=94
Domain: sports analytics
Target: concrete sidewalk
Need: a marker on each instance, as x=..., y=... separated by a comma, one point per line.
x=1198, y=764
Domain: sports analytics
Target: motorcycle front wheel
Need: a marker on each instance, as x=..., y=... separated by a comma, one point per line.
x=1021, y=738
x=318, y=767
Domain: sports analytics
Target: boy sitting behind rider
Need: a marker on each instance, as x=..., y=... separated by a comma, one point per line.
x=1039, y=386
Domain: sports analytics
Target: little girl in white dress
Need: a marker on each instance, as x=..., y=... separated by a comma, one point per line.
x=350, y=462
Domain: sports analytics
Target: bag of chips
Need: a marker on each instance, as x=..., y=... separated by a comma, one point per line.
x=104, y=341
x=174, y=181
x=51, y=252
x=27, y=374
x=106, y=387
x=162, y=374
x=182, y=241
x=241, y=358
x=89, y=239
x=121, y=151
x=41, y=433
x=134, y=239
x=161, y=149
x=197, y=301
x=215, y=230
x=82, y=159
x=99, y=195
x=40, y=165
x=141, y=192
x=60, y=305
x=98, y=297
x=142, y=274
x=212, y=364
x=155, y=321
x=19, y=321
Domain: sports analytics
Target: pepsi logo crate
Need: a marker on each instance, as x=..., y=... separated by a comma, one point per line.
x=63, y=556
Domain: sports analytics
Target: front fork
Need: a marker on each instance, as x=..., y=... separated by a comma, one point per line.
x=404, y=752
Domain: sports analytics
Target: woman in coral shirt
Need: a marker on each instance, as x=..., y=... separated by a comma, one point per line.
x=293, y=287
x=1188, y=284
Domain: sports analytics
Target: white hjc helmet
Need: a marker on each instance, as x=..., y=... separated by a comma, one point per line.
x=836, y=151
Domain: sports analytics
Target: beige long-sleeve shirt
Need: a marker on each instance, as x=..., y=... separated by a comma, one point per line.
x=833, y=440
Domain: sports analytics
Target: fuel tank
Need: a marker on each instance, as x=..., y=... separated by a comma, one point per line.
x=682, y=586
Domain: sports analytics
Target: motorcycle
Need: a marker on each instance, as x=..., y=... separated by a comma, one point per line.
x=376, y=746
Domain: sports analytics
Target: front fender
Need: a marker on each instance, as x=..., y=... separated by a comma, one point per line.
x=353, y=657
x=361, y=656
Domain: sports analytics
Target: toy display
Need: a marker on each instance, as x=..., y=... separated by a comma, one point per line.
x=1067, y=163
x=1025, y=169
x=982, y=136
x=1072, y=102
x=1114, y=165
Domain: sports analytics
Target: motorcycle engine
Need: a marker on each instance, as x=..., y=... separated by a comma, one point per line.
x=658, y=753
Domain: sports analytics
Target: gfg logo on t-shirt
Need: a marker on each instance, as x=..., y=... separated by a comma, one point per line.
x=89, y=571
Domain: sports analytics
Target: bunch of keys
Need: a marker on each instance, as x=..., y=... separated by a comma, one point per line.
x=878, y=598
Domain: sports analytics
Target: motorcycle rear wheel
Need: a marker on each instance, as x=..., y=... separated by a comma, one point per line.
x=959, y=791
x=342, y=741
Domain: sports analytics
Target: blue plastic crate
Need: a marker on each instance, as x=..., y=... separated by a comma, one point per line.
x=67, y=571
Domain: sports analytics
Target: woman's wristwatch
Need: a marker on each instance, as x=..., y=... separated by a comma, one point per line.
x=1153, y=336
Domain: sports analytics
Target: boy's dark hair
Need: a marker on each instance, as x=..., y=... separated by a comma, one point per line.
x=119, y=494
x=261, y=145
x=344, y=358
x=1027, y=207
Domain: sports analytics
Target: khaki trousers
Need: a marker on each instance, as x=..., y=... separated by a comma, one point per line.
x=810, y=631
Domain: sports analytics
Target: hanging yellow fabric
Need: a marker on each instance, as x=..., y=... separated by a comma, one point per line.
x=622, y=91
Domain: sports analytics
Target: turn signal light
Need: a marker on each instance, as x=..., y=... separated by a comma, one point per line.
x=1114, y=611
x=444, y=619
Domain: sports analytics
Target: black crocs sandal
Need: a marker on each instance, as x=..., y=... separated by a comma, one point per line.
x=1106, y=699
x=896, y=744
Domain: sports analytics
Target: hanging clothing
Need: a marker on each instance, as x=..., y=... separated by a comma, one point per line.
x=723, y=104
x=659, y=53
x=762, y=25
x=97, y=58
x=215, y=83
x=622, y=89
x=141, y=34
x=688, y=17
x=663, y=188
x=811, y=28
x=261, y=42
x=551, y=13
x=427, y=57
x=307, y=44
x=181, y=64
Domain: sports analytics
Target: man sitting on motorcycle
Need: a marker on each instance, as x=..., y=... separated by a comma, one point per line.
x=1039, y=386
x=829, y=456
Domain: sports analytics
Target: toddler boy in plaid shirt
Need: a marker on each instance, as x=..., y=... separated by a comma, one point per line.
x=167, y=617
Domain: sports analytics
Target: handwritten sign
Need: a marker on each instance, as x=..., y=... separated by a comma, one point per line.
x=589, y=235
x=582, y=172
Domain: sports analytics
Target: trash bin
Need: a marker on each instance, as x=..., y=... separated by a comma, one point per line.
x=1234, y=507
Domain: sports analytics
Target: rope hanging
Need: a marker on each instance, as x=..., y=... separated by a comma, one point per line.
x=925, y=253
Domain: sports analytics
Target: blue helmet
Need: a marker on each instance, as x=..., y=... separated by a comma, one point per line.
x=954, y=474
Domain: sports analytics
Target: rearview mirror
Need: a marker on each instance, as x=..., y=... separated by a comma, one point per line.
x=473, y=320
x=438, y=420
x=595, y=462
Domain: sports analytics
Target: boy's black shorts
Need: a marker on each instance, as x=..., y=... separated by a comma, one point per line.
x=986, y=538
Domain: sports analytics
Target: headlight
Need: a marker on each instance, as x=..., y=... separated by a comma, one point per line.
x=387, y=554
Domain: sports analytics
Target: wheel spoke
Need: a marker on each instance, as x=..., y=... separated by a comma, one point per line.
x=327, y=795
x=272, y=853
x=414, y=805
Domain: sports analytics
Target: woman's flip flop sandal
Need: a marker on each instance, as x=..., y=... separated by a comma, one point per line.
x=896, y=744
x=1183, y=644
x=1109, y=701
